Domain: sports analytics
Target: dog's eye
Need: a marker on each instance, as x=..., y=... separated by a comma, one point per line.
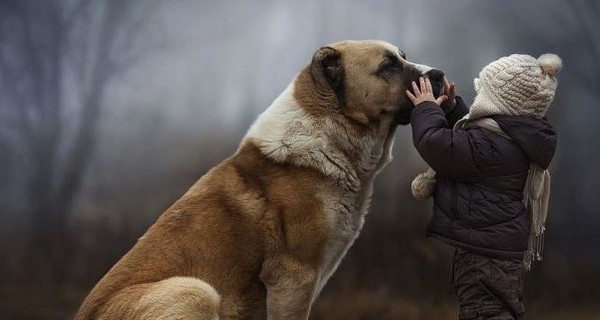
x=390, y=66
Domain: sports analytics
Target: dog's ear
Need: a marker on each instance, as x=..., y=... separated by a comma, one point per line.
x=327, y=69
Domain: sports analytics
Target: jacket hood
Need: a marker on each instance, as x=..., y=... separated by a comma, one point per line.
x=535, y=136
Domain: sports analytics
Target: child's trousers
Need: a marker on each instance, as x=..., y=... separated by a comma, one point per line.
x=487, y=288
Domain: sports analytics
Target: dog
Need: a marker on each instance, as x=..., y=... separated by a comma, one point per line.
x=259, y=235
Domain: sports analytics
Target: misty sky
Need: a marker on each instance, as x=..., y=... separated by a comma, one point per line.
x=211, y=67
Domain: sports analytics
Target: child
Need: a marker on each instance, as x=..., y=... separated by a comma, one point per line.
x=488, y=178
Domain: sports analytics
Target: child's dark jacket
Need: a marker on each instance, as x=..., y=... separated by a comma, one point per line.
x=480, y=177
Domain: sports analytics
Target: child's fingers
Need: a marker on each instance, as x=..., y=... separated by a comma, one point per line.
x=447, y=85
x=411, y=96
x=416, y=88
x=441, y=100
x=422, y=85
x=452, y=91
x=428, y=85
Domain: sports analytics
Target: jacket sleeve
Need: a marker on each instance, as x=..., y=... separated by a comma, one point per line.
x=459, y=111
x=448, y=152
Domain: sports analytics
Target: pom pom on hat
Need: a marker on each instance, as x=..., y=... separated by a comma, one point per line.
x=423, y=185
x=550, y=63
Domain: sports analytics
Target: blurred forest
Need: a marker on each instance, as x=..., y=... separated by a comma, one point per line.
x=111, y=109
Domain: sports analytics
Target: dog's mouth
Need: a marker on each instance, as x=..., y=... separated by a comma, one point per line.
x=436, y=77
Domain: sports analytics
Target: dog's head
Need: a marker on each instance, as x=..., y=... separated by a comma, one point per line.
x=367, y=80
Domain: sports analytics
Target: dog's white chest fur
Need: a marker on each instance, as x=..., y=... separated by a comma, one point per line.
x=285, y=133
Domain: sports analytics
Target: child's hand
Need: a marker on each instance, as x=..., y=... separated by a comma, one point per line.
x=450, y=91
x=425, y=93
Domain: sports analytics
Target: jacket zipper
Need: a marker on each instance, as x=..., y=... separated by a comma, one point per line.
x=455, y=196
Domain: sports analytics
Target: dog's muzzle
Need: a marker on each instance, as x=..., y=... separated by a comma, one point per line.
x=436, y=77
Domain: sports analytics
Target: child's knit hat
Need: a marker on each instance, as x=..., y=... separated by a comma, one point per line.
x=518, y=84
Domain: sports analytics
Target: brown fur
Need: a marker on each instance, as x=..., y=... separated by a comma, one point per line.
x=256, y=229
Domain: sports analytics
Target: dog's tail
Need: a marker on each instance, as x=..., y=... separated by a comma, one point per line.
x=173, y=298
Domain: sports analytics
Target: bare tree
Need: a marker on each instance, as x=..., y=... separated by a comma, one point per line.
x=57, y=59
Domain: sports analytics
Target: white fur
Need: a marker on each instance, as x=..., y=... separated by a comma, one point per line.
x=285, y=133
x=421, y=67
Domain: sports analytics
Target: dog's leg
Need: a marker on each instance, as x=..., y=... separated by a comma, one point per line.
x=173, y=298
x=291, y=286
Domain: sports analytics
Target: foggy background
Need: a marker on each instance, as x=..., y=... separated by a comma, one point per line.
x=111, y=109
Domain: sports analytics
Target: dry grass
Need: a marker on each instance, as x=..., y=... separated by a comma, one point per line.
x=382, y=278
x=368, y=305
x=26, y=303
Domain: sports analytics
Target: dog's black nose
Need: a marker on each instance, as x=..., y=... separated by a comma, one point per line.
x=435, y=75
x=437, y=81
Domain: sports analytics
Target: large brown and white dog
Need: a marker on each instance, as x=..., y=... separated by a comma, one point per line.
x=260, y=234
